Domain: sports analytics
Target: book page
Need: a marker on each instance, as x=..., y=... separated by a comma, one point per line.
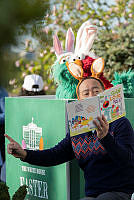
x=81, y=114
x=112, y=103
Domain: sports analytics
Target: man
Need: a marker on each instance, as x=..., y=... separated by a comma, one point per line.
x=33, y=85
x=108, y=166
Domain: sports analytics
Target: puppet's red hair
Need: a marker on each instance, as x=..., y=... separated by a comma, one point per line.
x=87, y=62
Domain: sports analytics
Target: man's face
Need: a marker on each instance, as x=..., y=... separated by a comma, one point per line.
x=89, y=88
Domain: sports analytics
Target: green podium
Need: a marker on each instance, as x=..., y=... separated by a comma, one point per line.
x=28, y=120
x=38, y=123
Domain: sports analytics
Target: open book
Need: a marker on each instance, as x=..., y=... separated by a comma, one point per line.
x=81, y=113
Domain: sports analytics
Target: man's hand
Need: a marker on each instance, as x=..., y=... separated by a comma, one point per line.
x=15, y=149
x=102, y=127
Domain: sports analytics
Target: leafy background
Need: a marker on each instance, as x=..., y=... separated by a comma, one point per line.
x=26, y=39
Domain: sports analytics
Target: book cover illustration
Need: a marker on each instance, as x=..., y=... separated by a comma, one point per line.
x=81, y=113
x=112, y=103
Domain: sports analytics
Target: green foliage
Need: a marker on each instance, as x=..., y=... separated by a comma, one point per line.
x=114, y=42
x=20, y=194
x=4, y=196
x=17, y=13
x=117, y=48
x=4, y=193
x=14, y=16
x=38, y=65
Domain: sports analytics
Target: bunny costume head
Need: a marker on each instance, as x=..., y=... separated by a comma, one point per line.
x=74, y=64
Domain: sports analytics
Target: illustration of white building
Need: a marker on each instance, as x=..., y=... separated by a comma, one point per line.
x=32, y=135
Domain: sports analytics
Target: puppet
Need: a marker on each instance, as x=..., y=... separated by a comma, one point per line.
x=73, y=64
x=127, y=79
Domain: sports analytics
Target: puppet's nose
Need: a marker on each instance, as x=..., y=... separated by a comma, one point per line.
x=78, y=62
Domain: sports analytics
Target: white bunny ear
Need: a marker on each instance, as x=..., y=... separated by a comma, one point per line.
x=79, y=36
x=57, y=45
x=88, y=36
x=69, y=47
x=85, y=38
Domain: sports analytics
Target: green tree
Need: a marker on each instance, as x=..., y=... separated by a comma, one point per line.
x=114, y=42
x=14, y=16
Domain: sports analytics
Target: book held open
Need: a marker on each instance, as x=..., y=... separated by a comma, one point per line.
x=81, y=113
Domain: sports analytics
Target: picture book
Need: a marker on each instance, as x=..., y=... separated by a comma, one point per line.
x=81, y=113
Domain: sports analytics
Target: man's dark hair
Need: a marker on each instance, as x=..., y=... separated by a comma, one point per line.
x=24, y=92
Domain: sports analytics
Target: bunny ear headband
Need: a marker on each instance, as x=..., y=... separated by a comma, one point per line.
x=79, y=61
x=96, y=70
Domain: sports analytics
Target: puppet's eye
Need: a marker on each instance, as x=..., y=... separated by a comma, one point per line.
x=81, y=57
x=63, y=60
x=73, y=59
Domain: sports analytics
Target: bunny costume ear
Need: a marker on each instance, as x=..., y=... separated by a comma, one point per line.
x=85, y=38
x=70, y=39
x=79, y=36
x=57, y=46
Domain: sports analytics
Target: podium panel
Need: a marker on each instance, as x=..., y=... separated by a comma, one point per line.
x=129, y=104
x=34, y=122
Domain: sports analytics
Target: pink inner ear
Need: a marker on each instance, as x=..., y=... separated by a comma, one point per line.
x=57, y=45
x=70, y=41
